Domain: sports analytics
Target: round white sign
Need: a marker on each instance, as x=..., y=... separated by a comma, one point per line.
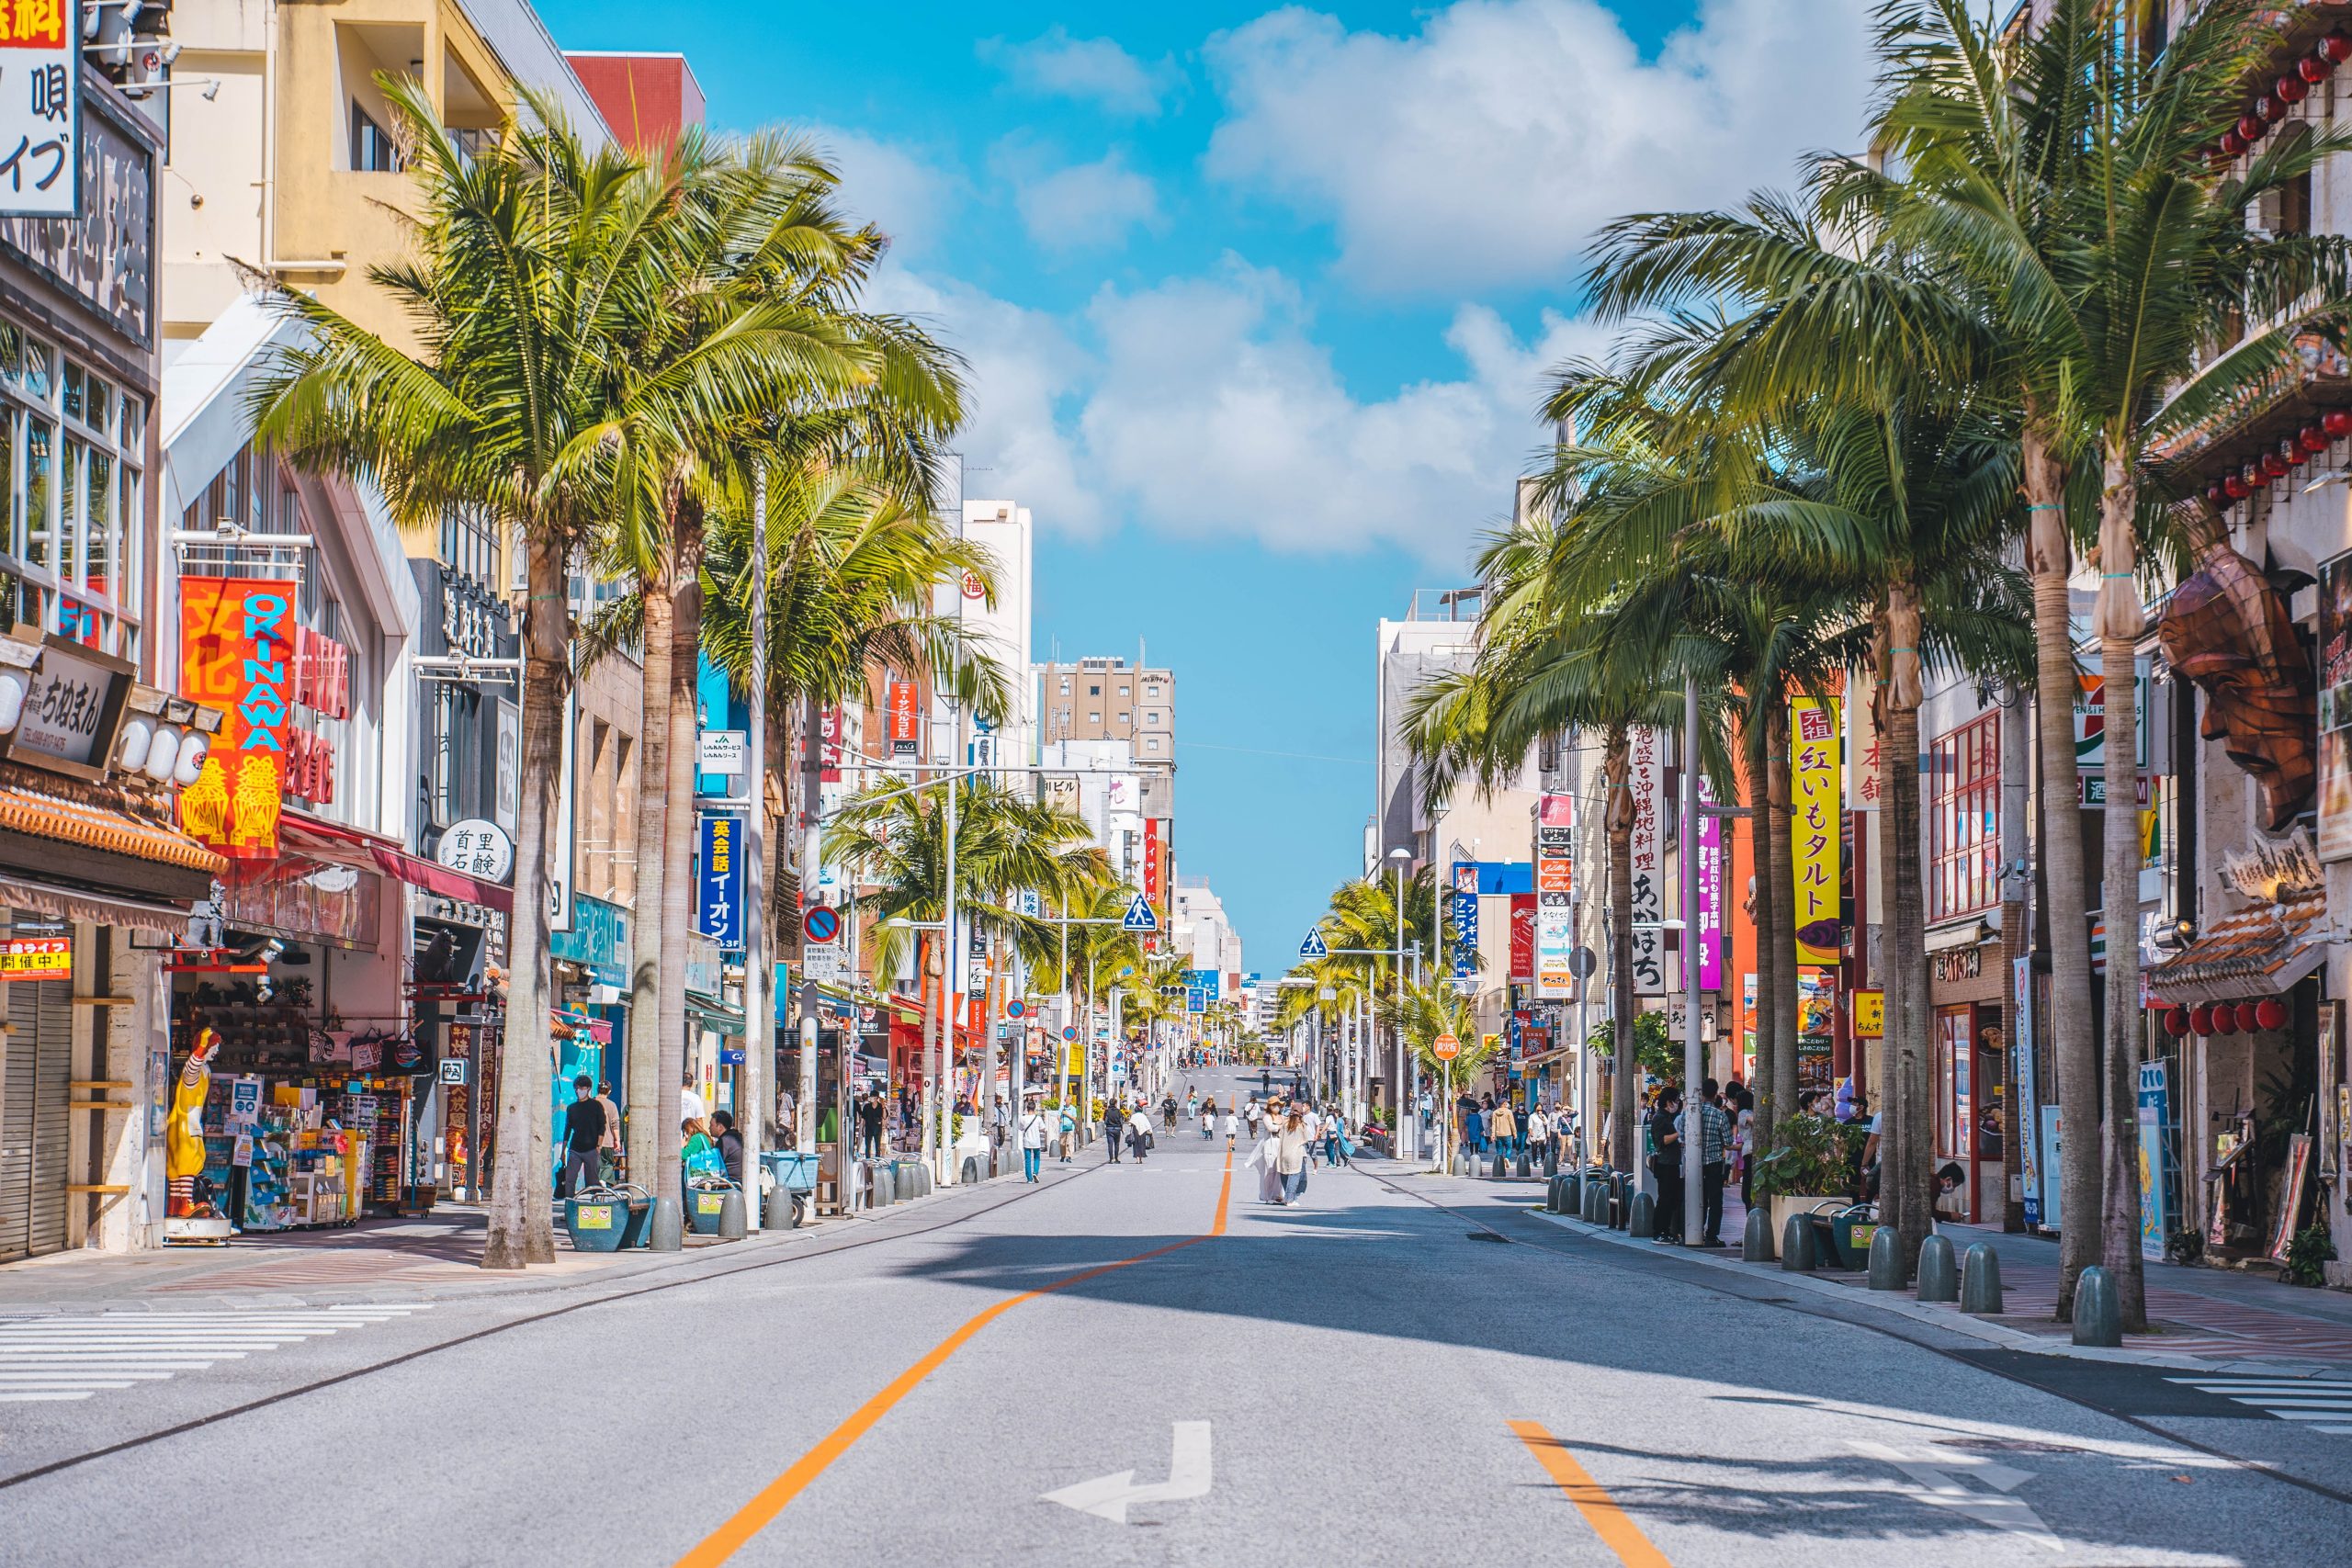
x=478, y=848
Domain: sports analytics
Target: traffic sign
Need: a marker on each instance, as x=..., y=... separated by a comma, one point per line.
x=1314, y=946
x=1070, y=1034
x=1140, y=916
x=1017, y=1007
x=1582, y=962
x=1445, y=1048
x=821, y=925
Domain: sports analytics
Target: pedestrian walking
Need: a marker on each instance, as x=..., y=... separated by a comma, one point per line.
x=1335, y=1139
x=869, y=1125
x=1115, y=1122
x=584, y=1134
x=1232, y=1127
x=1263, y=1159
x=1539, y=1133
x=1033, y=1141
x=1069, y=1132
x=1208, y=1118
x=1254, y=1114
x=1139, y=1133
x=1506, y=1129
x=1290, y=1157
x=608, y=1152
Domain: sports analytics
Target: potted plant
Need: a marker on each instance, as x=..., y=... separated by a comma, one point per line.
x=1813, y=1165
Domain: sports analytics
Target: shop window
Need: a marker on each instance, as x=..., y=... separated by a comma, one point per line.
x=1955, y=1069
x=1964, y=816
x=71, y=460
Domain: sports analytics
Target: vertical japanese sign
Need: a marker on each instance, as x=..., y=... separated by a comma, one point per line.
x=719, y=911
x=1522, y=938
x=40, y=109
x=236, y=654
x=1865, y=773
x=1554, y=935
x=831, y=726
x=1646, y=778
x=2336, y=709
x=1465, y=920
x=2027, y=1112
x=1151, y=860
x=905, y=719
x=1711, y=892
x=1814, y=828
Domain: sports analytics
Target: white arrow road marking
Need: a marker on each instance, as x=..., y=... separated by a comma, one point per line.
x=1937, y=1478
x=1110, y=1496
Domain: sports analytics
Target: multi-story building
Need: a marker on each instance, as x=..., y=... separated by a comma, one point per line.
x=1199, y=929
x=1438, y=634
x=1125, y=714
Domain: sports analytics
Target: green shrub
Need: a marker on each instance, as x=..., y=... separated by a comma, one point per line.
x=2309, y=1248
x=1816, y=1158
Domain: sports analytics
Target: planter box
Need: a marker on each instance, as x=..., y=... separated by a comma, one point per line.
x=1782, y=1207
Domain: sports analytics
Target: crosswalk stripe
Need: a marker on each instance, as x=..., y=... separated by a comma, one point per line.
x=57, y=1360
x=2321, y=1403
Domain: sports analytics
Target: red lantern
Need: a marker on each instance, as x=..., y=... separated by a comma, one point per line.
x=2274, y=466
x=2270, y=109
x=2269, y=1013
x=2176, y=1022
x=2217, y=495
x=2200, y=1021
x=2336, y=421
x=2336, y=49
x=2312, y=438
x=2255, y=478
x=2251, y=130
x=2231, y=144
x=2291, y=89
x=2315, y=69
x=2245, y=1014
x=2235, y=489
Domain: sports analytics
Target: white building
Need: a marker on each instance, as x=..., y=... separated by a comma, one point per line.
x=1199, y=928
x=1004, y=530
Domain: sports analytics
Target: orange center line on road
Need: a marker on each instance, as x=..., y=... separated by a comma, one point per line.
x=1615, y=1528
x=776, y=1495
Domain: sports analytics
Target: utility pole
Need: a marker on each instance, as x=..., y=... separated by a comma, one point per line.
x=1695, y=1060
x=759, y=1022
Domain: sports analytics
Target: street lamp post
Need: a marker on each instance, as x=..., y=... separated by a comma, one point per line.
x=1693, y=1053
x=1398, y=858
x=759, y=1019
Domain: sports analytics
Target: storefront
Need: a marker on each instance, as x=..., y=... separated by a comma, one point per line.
x=1965, y=1041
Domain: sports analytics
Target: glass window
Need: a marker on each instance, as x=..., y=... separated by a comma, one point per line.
x=70, y=464
x=1963, y=835
x=372, y=150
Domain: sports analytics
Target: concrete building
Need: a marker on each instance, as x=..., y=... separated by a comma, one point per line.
x=1198, y=928
x=1437, y=634
x=1005, y=530
x=1098, y=701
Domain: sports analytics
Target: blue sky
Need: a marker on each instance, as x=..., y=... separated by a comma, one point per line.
x=1258, y=302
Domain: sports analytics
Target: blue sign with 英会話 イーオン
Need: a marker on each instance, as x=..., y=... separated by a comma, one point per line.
x=718, y=909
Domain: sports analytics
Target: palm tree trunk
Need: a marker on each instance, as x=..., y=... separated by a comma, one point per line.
x=2051, y=558
x=2118, y=624
x=678, y=823
x=935, y=1000
x=521, y=1228
x=1625, y=1071
x=1905, y=1171
x=1782, y=940
x=1770, y=878
x=651, y=1087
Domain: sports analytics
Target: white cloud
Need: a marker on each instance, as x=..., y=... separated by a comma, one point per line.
x=1087, y=205
x=910, y=199
x=1203, y=408
x=1486, y=148
x=1092, y=70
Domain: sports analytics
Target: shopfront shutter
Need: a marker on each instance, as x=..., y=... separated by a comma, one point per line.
x=33, y=1132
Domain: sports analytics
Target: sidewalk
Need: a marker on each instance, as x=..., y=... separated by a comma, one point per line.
x=436, y=1257
x=2200, y=1319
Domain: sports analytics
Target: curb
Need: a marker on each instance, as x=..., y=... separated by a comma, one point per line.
x=491, y=1287
x=1952, y=1319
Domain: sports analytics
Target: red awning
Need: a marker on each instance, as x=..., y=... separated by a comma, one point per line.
x=372, y=851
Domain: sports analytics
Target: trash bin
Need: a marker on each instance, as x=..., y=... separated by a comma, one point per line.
x=704, y=1205
x=599, y=1219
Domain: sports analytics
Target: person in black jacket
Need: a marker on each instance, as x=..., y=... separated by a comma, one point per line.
x=730, y=1144
x=584, y=1132
x=1666, y=1164
x=1113, y=1118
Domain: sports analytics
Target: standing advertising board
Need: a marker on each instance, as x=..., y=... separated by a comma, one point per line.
x=2336, y=709
x=2155, y=1158
x=2021, y=1043
x=1555, y=932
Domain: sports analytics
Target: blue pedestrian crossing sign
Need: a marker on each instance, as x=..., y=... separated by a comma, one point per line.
x=1314, y=946
x=1140, y=916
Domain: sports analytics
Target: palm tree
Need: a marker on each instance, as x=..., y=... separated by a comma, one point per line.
x=536, y=262
x=1423, y=1012
x=895, y=839
x=2117, y=263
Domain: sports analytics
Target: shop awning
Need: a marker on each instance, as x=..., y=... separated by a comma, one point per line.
x=373, y=851
x=67, y=815
x=716, y=1015
x=57, y=903
x=2262, y=950
x=1969, y=933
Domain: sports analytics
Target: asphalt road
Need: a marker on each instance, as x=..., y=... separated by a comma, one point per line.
x=1143, y=1364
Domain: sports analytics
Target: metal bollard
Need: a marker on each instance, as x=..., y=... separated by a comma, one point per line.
x=779, y=1213
x=666, y=1232
x=731, y=1215
x=1756, y=1242
x=1980, y=1280
x=1643, y=1223
x=1939, y=1272
x=2098, y=1314
x=1796, y=1245
x=1886, y=1259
